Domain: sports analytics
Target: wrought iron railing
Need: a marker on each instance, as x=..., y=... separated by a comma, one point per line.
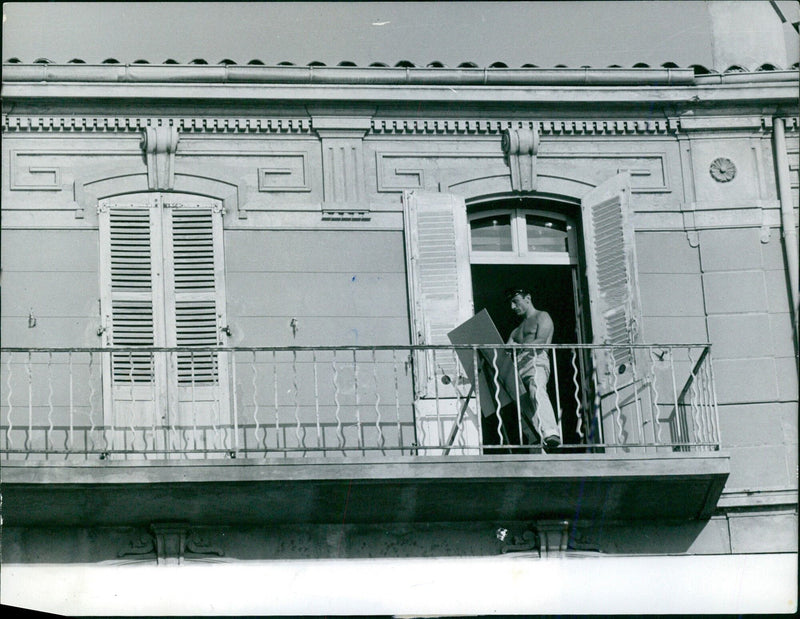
x=172, y=403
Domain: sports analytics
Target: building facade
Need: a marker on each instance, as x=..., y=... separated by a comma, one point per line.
x=227, y=291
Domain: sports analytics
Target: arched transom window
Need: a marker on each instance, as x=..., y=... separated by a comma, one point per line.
x=522, y=236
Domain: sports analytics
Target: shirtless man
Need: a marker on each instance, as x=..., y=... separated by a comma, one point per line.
x=534, y=365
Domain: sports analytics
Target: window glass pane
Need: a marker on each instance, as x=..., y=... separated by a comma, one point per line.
x=491, y=233
x=546, y=234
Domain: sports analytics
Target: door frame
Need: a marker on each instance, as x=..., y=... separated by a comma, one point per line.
x=165, y=388
x=568, y=210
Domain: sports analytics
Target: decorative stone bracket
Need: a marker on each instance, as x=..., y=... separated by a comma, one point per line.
x=170, y=542
x=551, y=538
x=520, y=147
x=159, y=145
x=342, y=140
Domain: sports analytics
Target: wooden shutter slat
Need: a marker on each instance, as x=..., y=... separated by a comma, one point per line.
x=196, y=325
x=193, y=250
x=130, y=251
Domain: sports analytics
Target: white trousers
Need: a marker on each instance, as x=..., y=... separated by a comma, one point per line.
x=534, y=372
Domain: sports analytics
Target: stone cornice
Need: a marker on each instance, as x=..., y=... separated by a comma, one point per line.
x=100, y=124
x=185, y=124
x=384, y=126
x=544, y=127
x=763, y=122
x=347, y=85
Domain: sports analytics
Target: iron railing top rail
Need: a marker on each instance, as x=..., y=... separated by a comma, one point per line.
x=421, y=347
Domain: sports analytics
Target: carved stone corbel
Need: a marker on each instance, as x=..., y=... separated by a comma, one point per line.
x=553, y=537
x=159, y=145
x=170, y=542
x=549, y=538
x=520, y=147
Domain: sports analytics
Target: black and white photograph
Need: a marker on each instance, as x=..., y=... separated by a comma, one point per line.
x=399, y=309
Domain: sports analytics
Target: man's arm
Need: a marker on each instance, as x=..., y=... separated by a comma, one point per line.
x=544, y=334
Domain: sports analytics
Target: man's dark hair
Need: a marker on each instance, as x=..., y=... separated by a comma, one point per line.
x=512, y=292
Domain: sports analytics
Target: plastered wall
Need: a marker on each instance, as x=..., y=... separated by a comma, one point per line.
x=711, y=265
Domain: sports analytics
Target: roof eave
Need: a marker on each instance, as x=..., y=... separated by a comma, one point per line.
x=763, y=94
x=237, y=74
x=358, y=84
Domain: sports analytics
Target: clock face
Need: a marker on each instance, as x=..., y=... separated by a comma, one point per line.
x=722, y=169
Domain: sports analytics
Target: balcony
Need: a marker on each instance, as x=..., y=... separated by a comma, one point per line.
x=355, y=434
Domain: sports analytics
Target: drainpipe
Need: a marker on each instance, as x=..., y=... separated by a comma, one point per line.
x=788, y=231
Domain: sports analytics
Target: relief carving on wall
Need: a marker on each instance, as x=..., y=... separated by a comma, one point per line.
x=169, y=544
x=27, y=177
x=550, y=538
x=520, y=147
x=722, y=170
x=159, y=145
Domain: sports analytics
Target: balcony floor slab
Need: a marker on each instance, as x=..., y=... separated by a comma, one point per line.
x=363, y=490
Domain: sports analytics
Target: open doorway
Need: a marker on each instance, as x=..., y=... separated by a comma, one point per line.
x=553, y=292
x=533, y=244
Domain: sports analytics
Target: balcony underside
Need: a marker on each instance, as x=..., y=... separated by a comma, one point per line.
x=349, y=490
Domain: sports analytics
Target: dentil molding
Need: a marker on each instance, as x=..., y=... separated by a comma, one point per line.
x=386, y=126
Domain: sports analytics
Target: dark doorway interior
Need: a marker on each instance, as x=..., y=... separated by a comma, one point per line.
x=553, y=292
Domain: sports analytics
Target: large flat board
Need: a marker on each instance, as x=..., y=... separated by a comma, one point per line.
x=480, y=330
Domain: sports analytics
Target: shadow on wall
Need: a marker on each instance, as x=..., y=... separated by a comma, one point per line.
x=128, y=545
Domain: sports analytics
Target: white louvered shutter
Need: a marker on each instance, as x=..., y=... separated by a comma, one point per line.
x=440, y=286
x=132, y=310
x=162, y=284
x=195, y=308
x=611, y=272
x=131, y=287
x=195, y=295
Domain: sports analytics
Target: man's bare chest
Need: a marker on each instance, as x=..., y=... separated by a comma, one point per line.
x=527, y=330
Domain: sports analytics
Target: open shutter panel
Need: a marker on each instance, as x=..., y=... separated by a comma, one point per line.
x=440, y=288
x=611, y=268
x=130, y=287
x=194, y=282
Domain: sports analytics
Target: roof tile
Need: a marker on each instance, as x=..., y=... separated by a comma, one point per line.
x=436, y=64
